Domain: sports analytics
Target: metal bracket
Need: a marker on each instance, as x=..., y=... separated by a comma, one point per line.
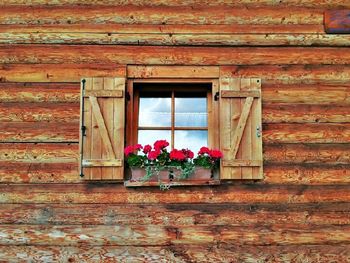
x=83, y=130
x=216, y=96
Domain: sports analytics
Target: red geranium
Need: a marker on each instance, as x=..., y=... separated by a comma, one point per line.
x=188, y=153
x=131, y=149
x=204, y=150
x=177, y=155
x=147, y=148
x=215, y=154
x=152, y=155
x=161, y=144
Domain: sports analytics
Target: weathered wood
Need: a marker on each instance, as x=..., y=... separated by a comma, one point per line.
x=39, y=112
x=158, y=15
x=240, y=94
x=104, y=162
x=158, y=235
x=39, y=132
x=307, y=153
x=238, y=3
x=57, y=73
x=172, y=55
x=39, y=92
x=104, y=93
x=165, y=29
x=171, y=39
x=306, y=93
x=306, y=133
x=292, y=74
x=307, y=174
x=337, y=21
x=116, y=193
x=242, y=163
x=131, y=183
x=178, y=253
x=176, y=214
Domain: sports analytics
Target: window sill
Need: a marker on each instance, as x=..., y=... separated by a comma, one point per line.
x=132, y=183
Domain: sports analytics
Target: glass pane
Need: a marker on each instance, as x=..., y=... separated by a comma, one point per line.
x=192, y=140
x=191, y=112
x=149, y=137
x=155, y=112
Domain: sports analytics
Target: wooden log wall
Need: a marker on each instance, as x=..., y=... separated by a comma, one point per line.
x=299, y=213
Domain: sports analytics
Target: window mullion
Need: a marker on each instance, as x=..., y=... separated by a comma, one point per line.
x=172, y=119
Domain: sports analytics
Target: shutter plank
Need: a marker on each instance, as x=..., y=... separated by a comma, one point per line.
x=256, y=123
x=247, y=172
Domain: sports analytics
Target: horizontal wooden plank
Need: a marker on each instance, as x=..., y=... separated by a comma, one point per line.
x=158, y=235
x=39, y=92
x=39, y=153
x=172, y=72
x=306, y=93
x=103, y=163
x=334, y=154
x=178, y=253
x=307, y=174
x=38, y=112
x=39, y=132
x=272, y=133
x=158, y=15
x=120, y=54
x=58, y=73
x=292, y=74
x=104, y=93
x=331, y=154
x=176, y=214
x=199, y=3
x=25, y=171
x=171, y=39
x=170, y=184
x=306, y=133
x=240, y=94
x=98, y=193
x=241, y=163
x=164, y=29
x=304, y=113
x=337, y=21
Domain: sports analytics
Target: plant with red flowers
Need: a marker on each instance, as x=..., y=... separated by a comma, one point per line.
x=208, y=158
x=157, y=158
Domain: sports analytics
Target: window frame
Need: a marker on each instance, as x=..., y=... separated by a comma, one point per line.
x=213, y=107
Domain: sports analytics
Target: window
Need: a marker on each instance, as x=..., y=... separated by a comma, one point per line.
x=177, y=103
x=177, y=112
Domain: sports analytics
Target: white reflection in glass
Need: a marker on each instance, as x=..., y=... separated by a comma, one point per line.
x=149, y=137
x=155, y=112
x=192, y=140
x=191, y=112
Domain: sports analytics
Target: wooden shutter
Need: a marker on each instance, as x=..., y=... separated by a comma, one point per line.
x=240, y=128
x=102, y=117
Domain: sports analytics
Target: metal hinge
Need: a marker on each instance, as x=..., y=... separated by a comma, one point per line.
x=216, y=96
x=83, y=130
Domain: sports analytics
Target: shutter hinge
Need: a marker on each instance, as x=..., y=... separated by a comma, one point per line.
x=83, y=130
x=127, y=95
x=216, y=96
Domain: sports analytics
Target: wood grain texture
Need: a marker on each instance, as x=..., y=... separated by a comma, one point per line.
x=98, y=193
x=176, y=215
x=337, y=21
x=165, y=29
x=238, y=3
x=158, y=15
x=171, y=39
x=57, y=73
x=54, y=54
x=178, y=253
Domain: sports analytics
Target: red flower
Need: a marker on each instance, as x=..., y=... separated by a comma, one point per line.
x=188, y=153
x=160, y=144
x=138, y=147
x=204, y=150
x=128, y=150
x=152, y=155
x=215, y=154
x=147, y=148
x=177, y=155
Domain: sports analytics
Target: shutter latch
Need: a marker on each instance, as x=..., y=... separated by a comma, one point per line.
x=216, y=96
x=83, y=130
x=258, y=131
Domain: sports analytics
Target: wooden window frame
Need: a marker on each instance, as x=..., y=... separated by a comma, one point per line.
x=132, y=108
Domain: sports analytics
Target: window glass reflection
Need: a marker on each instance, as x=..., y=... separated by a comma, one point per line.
x=191, y=112
x=155, y=112
x=190, y=139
